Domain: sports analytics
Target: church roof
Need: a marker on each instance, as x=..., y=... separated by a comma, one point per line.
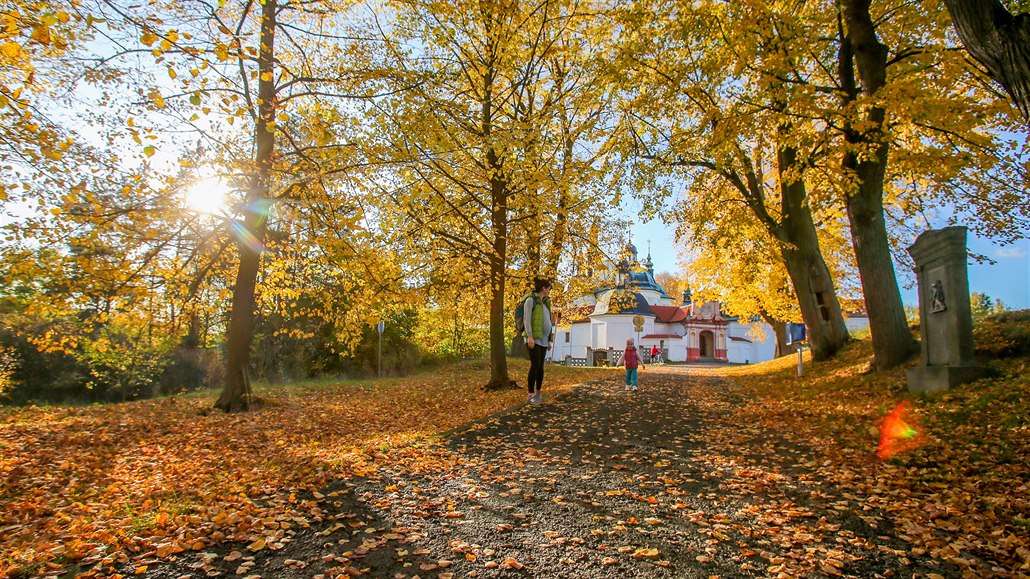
x=669, y=314
x=644, y=280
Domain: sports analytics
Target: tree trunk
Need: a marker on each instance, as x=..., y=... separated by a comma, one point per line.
x=498, y=260
x=499, y=254
x=780, y=333
x=250, y=233
x=534, y=240
x=813, y=285
x=558, y=236
x=561, y=215
x=893, y=342
x=236, y=382
x=1000, y=42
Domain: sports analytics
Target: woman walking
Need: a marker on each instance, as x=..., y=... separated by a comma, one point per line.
x=536, y=311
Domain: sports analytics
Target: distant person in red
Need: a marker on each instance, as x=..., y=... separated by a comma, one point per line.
x=631, y=360
x=655, y=352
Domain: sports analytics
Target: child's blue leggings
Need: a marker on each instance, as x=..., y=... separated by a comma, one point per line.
x=631, y=376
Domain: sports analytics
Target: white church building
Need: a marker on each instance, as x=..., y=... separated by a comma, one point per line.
x=602, y=321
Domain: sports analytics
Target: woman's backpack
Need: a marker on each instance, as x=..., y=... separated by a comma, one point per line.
x=520, y=312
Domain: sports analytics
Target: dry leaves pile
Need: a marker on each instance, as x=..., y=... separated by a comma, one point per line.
x=964, y=496
x=751, y=471
x=89, y=488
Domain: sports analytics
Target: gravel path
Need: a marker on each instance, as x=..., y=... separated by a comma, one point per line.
x=595, y=483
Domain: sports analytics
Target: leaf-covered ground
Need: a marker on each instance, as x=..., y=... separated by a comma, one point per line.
x=746, y=471
x=98, y=487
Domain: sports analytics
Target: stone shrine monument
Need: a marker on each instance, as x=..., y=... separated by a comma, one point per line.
x=945, y=316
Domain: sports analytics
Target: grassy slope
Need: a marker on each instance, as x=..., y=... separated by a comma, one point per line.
x=964, y=493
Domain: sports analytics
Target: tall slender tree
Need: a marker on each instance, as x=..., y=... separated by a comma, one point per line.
x=476, y=167
x=281, y=67
x=865, y=157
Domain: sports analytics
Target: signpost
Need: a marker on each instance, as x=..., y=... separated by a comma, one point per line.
x=796, y=334
x=638, y=325
x=381, y=327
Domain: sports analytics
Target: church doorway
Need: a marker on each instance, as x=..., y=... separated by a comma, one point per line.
x=707, y=344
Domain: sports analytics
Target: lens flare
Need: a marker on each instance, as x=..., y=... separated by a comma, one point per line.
x=897, y=433
x=245, y=238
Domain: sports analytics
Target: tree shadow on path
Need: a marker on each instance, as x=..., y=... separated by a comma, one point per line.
x=600, y=482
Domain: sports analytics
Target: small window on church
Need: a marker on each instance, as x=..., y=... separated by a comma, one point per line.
x=567, y=337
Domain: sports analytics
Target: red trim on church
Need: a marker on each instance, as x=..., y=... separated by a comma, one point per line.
x=694, y=355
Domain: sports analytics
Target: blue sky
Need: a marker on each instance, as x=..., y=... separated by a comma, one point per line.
x=1008, y=279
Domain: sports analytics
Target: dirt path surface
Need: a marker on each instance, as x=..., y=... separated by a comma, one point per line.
x=598, y=482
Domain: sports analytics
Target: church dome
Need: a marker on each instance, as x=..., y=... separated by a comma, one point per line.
x=623, y=301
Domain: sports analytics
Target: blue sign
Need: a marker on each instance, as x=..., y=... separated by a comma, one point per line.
x=795, y=333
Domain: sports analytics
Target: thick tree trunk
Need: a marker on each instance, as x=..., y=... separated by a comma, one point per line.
x=236, y=382
x=250, y=236
x=893, y=342
x=561, y=218
x=782, y=347
x=816, y=294
x=1000, y=42
x=498, y=261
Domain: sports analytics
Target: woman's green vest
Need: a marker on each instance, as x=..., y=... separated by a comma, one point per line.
x=538, y=314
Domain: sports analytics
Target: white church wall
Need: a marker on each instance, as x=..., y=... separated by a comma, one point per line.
x=756, y=349
x=739, y=352
x=664, y=328
x=618, y=329
x=766, y=349
x=571, y=342
x=580, y=338
x=562, y=345
x=598, y=335
x=678, y=350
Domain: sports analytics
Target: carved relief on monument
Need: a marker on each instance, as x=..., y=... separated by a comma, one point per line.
x=937, y=303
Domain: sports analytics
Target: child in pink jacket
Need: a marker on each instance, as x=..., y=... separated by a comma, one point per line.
x=631, y=359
